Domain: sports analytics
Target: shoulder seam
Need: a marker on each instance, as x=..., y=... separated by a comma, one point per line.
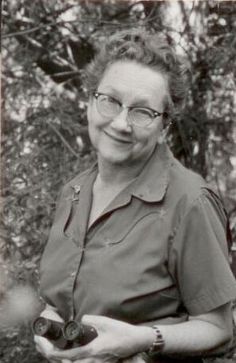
x=191, y=205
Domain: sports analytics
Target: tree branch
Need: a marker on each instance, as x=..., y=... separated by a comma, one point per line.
x=38, y=27
x=63, y=139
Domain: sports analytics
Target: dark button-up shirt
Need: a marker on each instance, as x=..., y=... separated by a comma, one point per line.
x=157, y=253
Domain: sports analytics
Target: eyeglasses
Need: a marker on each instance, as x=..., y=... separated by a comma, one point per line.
x=108, y=106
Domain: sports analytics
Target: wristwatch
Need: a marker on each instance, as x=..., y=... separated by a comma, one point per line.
x=158, y=345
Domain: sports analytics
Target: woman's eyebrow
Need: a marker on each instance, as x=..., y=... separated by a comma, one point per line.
x=137, y=101
x=111, y=91
x=143, y=102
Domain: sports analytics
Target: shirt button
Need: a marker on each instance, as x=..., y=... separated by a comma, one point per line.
x=73, y=274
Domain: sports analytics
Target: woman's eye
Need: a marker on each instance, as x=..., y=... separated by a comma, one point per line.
x=143, y=112
x=112, y=100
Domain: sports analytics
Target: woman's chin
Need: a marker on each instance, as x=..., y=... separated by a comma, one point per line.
x=116, y=158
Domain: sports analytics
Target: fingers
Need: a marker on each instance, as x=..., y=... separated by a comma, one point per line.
x=97, y=321
x=94, y=360
x=83, y=355
x=44, y=346
x=71, y=354
x=93, y=320
x=134, y=359
x=138, y=358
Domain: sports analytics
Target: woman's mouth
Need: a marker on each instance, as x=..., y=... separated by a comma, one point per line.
x=118, y=138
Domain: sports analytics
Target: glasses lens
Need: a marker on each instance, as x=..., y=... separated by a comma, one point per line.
x=107, y=105
x=141, y=117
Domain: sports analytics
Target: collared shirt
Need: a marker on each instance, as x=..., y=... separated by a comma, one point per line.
x=157, y=253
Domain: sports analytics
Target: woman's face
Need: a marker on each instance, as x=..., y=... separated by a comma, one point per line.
x=132, y=84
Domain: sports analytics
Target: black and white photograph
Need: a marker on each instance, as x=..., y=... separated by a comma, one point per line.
x=118, y=181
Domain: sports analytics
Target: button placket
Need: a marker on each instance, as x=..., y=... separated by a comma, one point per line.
x=75, y=270
x=73, y=275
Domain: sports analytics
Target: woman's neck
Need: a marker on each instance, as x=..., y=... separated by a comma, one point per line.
x=118, y=174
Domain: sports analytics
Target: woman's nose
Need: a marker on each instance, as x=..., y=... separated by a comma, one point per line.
x=120, y=122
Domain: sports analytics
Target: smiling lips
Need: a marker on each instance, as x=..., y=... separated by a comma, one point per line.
x=118, y=139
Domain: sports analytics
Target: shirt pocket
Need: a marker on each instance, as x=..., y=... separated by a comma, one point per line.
x=128, y=228
x=171, y=293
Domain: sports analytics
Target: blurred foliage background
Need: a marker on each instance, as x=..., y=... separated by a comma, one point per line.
x=45, y=48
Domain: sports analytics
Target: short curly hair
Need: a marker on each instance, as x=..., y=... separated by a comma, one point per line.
x=151, y=50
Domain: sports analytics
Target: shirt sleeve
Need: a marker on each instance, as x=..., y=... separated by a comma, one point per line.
x=198, y=258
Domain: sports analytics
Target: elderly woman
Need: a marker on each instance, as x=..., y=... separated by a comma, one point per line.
x=138, y=246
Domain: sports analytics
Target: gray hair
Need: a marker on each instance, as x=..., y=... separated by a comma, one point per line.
x=151, y=50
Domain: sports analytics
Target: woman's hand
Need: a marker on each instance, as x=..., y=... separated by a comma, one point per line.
x=115, y=340
x=135, y=359
x=43, y=345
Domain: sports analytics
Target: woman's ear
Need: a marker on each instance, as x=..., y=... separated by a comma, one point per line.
x=89, y=106
x=163, y=134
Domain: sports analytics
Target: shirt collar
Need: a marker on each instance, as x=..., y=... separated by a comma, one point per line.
x=82, y=180
x=151, y=185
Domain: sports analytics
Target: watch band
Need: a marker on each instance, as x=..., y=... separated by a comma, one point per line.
x=158, y=345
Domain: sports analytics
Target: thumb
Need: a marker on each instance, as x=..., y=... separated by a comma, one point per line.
x=134, y=359
x=95, y=320
x=90, y=319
